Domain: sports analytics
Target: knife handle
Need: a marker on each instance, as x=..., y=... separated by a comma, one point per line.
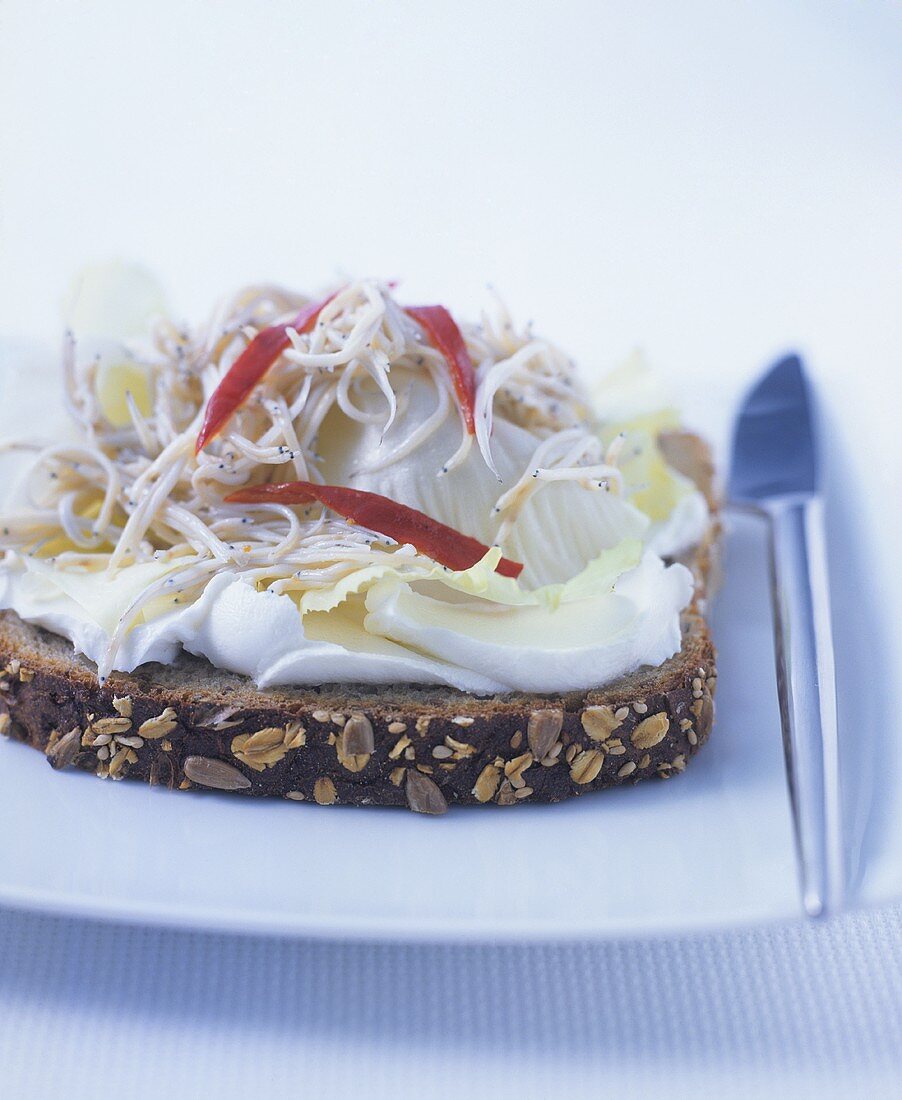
x=807, y=694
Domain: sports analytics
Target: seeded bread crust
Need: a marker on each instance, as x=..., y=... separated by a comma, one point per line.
x=191, y=726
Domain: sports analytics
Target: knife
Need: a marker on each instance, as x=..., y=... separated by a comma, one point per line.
x=774, y=470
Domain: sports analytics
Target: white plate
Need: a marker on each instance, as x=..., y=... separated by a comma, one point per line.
x=709, y=848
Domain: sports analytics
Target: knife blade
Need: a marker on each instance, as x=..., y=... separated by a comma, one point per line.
x=774, y=450
x=774, y=470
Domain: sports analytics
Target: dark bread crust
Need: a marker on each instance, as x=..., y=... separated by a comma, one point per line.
x=190, y=725
x=647, y=724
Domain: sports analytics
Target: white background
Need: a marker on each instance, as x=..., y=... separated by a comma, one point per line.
x=713, y=181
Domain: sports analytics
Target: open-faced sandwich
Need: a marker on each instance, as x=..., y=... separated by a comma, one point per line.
x=353, y=551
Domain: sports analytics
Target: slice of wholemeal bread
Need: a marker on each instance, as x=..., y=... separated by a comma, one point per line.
x=190, y=725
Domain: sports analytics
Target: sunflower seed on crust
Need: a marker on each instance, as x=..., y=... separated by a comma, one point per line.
x=63, y=751
x=542, y=731
x=357, y=737
x=162, y=773
x=423, y=796
x=210, y=772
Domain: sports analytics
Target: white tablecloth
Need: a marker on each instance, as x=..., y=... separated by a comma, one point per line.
x=94, y=1010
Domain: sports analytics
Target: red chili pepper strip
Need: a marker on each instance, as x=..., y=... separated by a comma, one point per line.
x=446, y=337
x=249, y=368
x=377, y=513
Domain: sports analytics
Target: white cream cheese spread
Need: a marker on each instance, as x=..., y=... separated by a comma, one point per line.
x=397, y=634
x=123, y=541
